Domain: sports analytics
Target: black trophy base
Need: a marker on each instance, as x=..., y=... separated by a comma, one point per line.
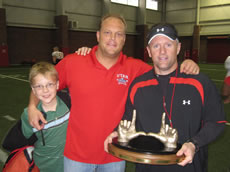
x=146, y=150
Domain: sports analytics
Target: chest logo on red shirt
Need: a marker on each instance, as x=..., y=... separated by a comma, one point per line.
x=122, y=79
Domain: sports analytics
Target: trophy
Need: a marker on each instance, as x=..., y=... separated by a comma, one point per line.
x=147, y=148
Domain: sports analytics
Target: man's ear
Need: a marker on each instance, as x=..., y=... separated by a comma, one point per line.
x=148, y=51
x=98, y=36
x=178, y=48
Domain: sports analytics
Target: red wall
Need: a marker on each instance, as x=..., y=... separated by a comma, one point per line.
x=217, y=50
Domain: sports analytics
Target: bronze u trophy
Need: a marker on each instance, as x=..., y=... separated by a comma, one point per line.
x=147, y=148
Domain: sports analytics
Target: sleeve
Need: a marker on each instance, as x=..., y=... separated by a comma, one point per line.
x=143, y=67
x=213, y=116
x=26, y=127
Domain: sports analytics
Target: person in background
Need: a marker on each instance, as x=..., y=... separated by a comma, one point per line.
x=226, y=86
x=49, y=148
x=57, y=55
x=191, y=103
x=98, y=85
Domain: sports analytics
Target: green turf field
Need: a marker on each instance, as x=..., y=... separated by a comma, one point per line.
x=14, y=91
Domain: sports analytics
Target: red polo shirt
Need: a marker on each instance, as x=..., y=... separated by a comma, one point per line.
x=98, y=97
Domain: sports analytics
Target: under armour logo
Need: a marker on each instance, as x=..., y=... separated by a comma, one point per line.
x=188, y=102
x=162, y=30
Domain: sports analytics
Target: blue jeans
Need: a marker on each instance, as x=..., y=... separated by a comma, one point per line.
x=75, y=166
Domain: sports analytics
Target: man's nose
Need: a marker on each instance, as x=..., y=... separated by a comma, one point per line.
x=113, y=36
x=162, y=50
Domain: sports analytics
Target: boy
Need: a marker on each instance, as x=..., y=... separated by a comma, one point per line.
x=48, y=149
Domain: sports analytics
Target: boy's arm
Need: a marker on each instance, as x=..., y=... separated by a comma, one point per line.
x=34, y=115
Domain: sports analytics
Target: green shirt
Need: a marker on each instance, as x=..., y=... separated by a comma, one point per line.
x=49, y=157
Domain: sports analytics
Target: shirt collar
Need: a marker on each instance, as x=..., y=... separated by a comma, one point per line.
x=120, y=60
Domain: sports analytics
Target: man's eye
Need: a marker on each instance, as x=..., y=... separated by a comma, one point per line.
x=169, y=45
x=107, y=32
x=39, y=86
x=155, y=46
x=120, y=34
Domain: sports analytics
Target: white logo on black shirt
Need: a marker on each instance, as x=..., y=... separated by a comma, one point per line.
x=186, y=102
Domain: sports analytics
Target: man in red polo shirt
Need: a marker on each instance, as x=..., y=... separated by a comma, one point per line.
x=98, y=85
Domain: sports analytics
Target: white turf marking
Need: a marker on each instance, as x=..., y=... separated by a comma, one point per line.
x=6, y=76
x=213, y=69
x=9, y=118
x=216, y=80
x=3, y=156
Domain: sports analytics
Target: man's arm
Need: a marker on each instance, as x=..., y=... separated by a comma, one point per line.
x=83, y=51
x=109, y=139
x=189, y=67
x=34, y=114
x=188, y=150
x=213, y=119
x=225, y=92
x=54, y=59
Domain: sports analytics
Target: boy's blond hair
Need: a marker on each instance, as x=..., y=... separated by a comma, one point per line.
x=43, y=68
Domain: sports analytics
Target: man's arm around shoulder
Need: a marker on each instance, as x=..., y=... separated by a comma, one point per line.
x=34, y=115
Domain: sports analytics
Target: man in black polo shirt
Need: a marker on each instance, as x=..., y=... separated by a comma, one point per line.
x=191, y=103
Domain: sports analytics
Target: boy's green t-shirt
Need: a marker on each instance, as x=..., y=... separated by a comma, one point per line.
x=49, y=157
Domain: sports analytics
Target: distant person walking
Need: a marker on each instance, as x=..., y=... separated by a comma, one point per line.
x=57, y=55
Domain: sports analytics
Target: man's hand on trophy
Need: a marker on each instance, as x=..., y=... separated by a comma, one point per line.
x=167, y=134
x=127, y=129
x=109, y=139
x=188, y=150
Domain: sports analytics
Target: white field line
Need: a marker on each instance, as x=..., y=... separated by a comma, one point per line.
x=222, y=70
x=6, y=76
x=8, y=117
x=216, y=80
x=3, y=156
